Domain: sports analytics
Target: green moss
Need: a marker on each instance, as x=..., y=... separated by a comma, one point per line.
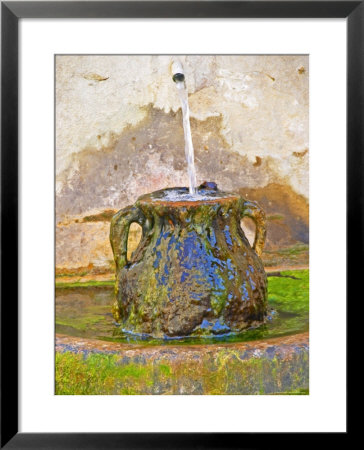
x=96, y=375
x=218, y=302
x=220, y=374
x=165, y=370
x=291, y=294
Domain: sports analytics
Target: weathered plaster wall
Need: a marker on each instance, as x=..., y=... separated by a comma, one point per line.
x=119, y=134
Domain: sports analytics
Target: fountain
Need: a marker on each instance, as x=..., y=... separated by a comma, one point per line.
x=194, y=271
x=191, y=312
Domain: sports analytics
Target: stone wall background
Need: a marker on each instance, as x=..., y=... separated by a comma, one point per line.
x=119, y=135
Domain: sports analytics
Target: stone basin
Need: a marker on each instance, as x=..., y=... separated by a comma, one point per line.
x=279, y=365
x=270, y=359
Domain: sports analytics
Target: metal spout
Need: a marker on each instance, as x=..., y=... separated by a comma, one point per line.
x=178, y=75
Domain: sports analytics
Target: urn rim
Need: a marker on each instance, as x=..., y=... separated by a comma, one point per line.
x=209, y=197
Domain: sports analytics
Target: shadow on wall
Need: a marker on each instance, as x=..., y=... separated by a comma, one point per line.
x=150, y=156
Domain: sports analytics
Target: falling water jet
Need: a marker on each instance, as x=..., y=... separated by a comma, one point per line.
x=179, y=78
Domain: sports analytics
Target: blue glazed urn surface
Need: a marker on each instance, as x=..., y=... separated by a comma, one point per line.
x=194, y=271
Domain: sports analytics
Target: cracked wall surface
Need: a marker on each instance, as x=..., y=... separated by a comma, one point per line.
x=119, y=135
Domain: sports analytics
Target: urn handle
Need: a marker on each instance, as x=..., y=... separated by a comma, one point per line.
x=119, y=232
x=254, y=212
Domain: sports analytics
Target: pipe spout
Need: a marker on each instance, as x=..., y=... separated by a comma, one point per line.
x=178, y=75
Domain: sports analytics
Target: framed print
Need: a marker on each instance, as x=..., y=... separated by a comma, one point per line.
x=176, y=185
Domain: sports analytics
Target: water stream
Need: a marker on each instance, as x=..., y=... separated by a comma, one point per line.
x=189, y=151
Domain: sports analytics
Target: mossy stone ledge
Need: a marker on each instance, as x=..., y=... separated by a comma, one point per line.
x=277, y=366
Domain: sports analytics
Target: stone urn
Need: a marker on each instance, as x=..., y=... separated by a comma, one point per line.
x=194, y=272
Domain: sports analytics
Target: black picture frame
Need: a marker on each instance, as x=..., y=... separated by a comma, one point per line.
x=11, y=12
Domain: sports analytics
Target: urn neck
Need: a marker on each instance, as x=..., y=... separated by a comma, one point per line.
x=202, y=210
